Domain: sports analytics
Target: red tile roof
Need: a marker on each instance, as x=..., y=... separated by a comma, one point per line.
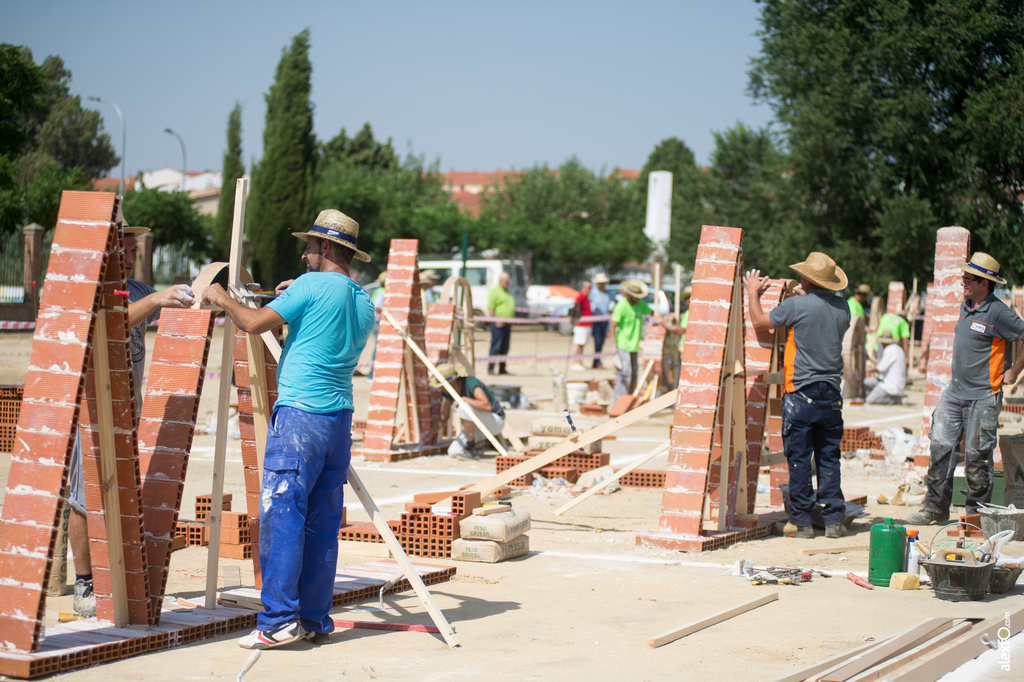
x=111, y=184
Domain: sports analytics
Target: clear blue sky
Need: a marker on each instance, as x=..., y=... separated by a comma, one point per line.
x=475, y=85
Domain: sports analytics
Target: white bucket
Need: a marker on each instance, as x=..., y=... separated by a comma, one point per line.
x=576, y=391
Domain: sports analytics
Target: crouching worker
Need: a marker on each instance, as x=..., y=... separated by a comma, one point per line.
x=309, y=438
x=480, y=400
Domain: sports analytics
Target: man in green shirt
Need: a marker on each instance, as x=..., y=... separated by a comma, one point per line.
x=627, y=330
x=859, y=300
x=500, y=304
x=898, y=327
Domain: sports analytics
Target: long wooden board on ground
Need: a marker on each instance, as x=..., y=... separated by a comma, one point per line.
x=895, y=646
x=568, y=445
x=677, y=633
x=827, y=664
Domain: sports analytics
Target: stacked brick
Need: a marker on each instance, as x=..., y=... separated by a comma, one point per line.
x=859, y=438
x=695, y=440
x=10, y=408
x=758, y=348
x=545, y=433
x=176, y=373
x=402, y=301
x=54, y=385
x=652, y=349
x=247, y=429
x=643, y=478
x=952, y=247
x=894, y=303
x=419, y=530
x=438, y=341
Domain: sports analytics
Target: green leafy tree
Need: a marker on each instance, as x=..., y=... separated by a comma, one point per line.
x=900, y=116
x=232, y=170
x=361, y=151
x=172, y=218
x=21, y=87
x=689, y=185
x=282, y=182
x=573, y=216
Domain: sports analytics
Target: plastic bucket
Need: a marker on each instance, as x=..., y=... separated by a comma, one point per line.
x=576, y=391
x=996, y=520
x=959, y=582
x=1003, y=579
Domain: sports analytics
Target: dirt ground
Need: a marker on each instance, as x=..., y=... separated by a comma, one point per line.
x=584, y=601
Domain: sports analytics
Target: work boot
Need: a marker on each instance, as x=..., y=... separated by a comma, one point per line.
x=85, y=600
x=927, y=518
x=835, y=531
x=791, y=530
x=317, y=638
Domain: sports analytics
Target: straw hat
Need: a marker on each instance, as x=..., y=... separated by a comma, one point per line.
x=337, y=227
x=381, y=277
x=886, y=337
x=135, y=230
x=600, y=278
x=864, y=289
x=822, y=271
x=634, y=288
x=428, y=276
x=448, y=371
x=687, y=292
x=983, y=265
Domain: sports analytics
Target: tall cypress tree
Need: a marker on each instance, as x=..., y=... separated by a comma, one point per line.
x=283, y=181
x=233, y=169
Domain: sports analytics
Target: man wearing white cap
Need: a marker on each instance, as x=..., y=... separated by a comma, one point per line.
x=971, y=403
x=812, y=405
x=309, y=440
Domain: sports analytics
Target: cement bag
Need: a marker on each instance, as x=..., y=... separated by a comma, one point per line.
x=588, y=479
x=488, y=551
x=1012, y=450
x=547, y=442
x=556, y=426
x=503, y=526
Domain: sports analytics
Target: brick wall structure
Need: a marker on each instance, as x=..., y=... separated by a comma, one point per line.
x=169, y=410
x=84, y=238
x=894, y=301
x=695, y=440
x=952, y=247
x=381, y=441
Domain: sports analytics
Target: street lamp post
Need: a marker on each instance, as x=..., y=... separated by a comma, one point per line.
x=184, y=157
x=124, y=135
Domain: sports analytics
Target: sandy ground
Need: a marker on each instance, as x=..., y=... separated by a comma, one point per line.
x=583, y=603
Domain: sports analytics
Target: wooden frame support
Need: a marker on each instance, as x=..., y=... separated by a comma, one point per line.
x=638, y=462
x=690, y=628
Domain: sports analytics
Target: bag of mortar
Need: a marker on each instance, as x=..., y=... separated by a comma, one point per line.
x=488, y=551
x=1011, y=448
x=503, y=526
x=588, y=479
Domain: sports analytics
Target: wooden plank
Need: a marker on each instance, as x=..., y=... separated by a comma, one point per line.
x=403, y=560
x=638, y=462
x=823, y=665
x=917, y=652
x=834, y=550
x=410, y=377
x=733, y=429
x=643, y=378
x=677, y=633
x=568, y=445
x=908, y=639
x=108, y=470
x=957, y=652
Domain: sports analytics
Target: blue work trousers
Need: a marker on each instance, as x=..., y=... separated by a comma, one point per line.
x=812, y=427
x=301, y=503
x=952, y=419
x=599, y=332
x=500, y=338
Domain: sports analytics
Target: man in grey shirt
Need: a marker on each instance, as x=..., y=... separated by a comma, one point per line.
x=974, y=398
x=812, y=406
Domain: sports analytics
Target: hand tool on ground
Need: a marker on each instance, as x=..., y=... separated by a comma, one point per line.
x=857, y=580
x=571, y=425
x=249, y=663
x=369, y=625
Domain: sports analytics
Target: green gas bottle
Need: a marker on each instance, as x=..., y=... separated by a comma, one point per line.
x=888, y=552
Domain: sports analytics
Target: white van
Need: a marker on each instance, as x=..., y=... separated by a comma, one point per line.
x=483, y=276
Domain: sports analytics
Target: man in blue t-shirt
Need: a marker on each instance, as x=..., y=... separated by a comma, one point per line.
x=309, y=438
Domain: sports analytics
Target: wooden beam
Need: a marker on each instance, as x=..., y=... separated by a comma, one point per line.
x=933, y=644
x=677, y=633
x=823, y=665
x=639, y=461
x=568, y=445
x=908, y=639
x=108, y=470
x=403, y=560
x=834, y=550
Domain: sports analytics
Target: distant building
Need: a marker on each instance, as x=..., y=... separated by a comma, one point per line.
x=203, y=187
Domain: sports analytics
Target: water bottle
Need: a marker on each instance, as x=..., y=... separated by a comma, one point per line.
x=887, y=553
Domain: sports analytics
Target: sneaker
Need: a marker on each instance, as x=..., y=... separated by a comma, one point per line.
x=268, y=639
x=578, y=368
x=317, y=638
x=85, y=600
x=466, y=456
x=926, y=518
x=835, y=531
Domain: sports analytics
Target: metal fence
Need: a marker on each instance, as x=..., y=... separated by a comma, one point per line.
x=12, y=267
x=174, y=265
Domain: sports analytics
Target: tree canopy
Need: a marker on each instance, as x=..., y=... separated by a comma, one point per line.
x=233, y=169
x=900, y=117
x=282, y=182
